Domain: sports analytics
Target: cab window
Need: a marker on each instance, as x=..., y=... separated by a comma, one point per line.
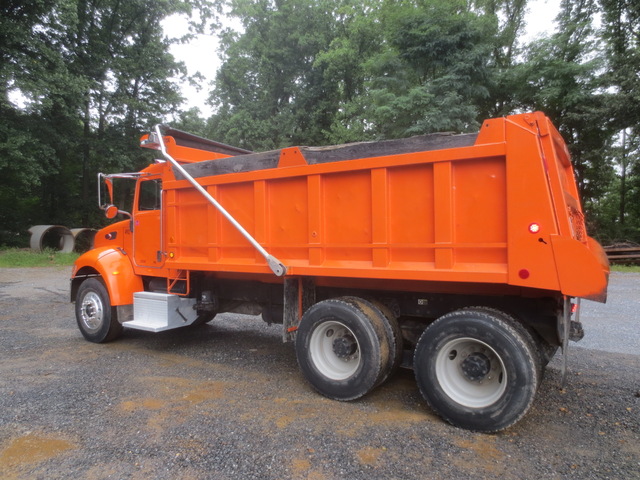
x=150, y=195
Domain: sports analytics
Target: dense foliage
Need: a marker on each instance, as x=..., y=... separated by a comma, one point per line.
x=92, y=75
x=97, y=73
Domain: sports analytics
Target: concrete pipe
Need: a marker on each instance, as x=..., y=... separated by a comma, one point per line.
x=55, y=237
x=83, y=239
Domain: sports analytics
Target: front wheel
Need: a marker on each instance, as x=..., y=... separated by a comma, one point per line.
x=477, y=370
x=96, y=318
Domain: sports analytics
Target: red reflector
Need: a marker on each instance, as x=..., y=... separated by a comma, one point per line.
x=574, y=307
x=534, y=228
x=524, y=274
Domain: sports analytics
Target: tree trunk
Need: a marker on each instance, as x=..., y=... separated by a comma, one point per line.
x=623, y=176
x=86, y=153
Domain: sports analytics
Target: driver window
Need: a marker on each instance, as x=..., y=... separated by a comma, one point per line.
x=150, y=194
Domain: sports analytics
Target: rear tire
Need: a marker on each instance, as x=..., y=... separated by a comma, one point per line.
x=477, y=370
x=96, y=318
x=526, y=333
x=342, y=348
x=394, y=337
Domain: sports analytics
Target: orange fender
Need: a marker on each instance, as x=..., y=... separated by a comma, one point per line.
x=116, y=270
x=583, y=270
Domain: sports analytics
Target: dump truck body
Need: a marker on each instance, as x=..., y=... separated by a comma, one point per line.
x=402, y=241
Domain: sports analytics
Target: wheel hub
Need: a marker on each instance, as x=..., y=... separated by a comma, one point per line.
x=91, y=311
x=344, y=346
x=476, y=366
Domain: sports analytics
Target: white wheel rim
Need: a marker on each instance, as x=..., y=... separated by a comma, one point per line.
x=453, y=374
x=91, y=311
x=323, y=353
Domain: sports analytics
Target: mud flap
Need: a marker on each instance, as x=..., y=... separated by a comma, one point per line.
x=299, y=295
x=564, y=329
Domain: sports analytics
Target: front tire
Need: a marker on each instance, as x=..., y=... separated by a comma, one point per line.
x=96, y=318
x=477, y=370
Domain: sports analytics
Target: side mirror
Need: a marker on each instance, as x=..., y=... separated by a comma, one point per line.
x=110, y=212
x=109, y=184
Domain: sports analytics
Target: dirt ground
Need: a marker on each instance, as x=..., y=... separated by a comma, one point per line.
x=226, y=401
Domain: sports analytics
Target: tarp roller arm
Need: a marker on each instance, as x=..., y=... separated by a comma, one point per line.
x=274, y=264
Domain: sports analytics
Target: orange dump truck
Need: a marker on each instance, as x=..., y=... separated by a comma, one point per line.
x=456, y=255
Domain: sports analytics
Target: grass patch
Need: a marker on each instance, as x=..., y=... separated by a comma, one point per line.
x=626, y=268
x=24, y=257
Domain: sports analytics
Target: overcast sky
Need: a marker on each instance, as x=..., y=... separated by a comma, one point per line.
x=201, y=55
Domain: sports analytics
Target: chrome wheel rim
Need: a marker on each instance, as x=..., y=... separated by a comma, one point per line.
x=92, y=311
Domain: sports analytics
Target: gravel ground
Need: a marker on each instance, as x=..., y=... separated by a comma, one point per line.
x=226, y=401
x=614, y=326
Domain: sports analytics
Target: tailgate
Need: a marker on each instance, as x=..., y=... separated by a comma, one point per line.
x=583, y=267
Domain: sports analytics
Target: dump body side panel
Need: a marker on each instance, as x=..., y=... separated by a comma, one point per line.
x=489, y=212
x=436, y=216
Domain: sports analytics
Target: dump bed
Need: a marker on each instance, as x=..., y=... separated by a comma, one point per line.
x=499, y=208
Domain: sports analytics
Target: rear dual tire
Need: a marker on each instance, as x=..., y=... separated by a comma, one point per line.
x=478, y=369
x=346, y=347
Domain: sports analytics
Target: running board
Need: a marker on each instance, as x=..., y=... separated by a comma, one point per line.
x=156, y=312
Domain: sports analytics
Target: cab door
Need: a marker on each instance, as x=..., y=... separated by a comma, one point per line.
x=147, y=224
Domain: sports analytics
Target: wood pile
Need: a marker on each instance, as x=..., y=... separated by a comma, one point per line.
x=623, y=253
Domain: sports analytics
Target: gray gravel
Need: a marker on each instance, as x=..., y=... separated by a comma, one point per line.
x=226, y=401
x=614, y=326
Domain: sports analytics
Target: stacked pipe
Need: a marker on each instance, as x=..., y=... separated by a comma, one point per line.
x=62, y=239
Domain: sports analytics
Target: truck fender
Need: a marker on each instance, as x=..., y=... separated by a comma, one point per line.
x=116, y=270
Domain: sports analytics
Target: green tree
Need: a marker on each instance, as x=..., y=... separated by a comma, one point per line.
x=320, y=71
x=508, y=18
x=358, y=36
x=93, y=74
x=560, y=75
x=434, y=75
x=269, y=91
x=25, y=153
x=619, y=32
x=119, y=61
